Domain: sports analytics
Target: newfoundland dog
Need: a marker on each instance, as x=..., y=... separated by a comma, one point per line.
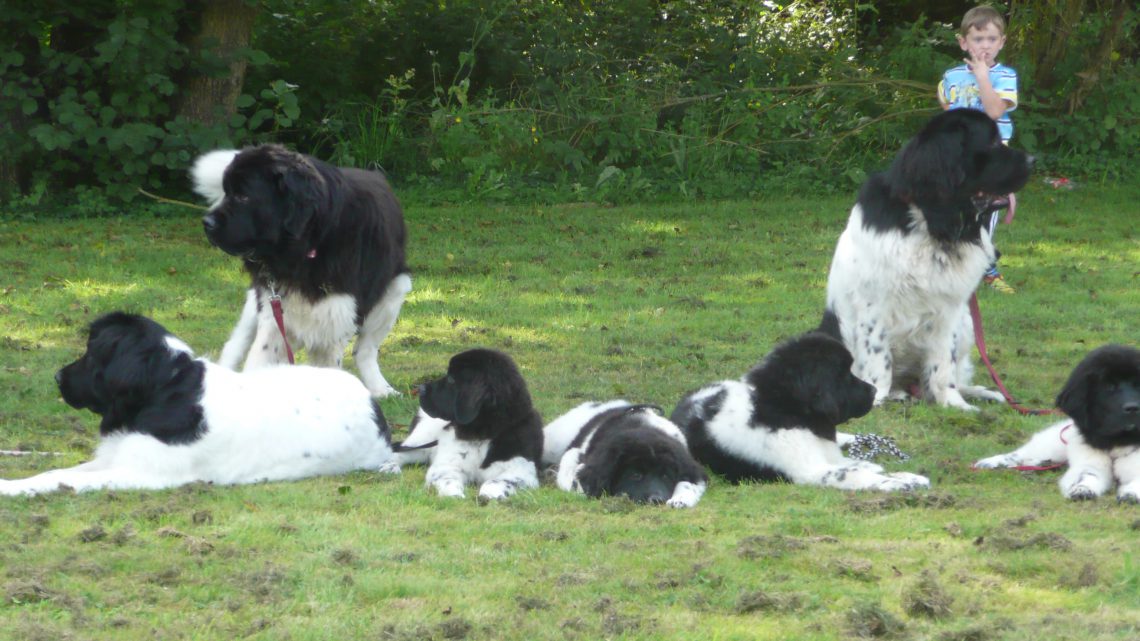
x=323, y=245
x=915, y=248
x=778, y=422
x=171, y=419
x=1101, y=442
x=617, y=448
x=476, y=424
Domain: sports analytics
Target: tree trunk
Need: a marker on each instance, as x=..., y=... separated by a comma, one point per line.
x=225, y=27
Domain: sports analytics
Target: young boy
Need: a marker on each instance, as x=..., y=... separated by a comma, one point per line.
x=986, y=85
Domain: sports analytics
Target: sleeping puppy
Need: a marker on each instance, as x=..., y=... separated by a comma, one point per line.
x=778, y=422
x=618, y=448
x=324, y=243
x=169, y=419
x=484, y=428
x=915, y=248
x=1101, y=442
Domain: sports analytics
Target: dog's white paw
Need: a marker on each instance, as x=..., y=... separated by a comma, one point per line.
x=391, y=466
x=1081, y=493
x=496, y=490
x=904, y=482
x=383, y=391
x=449, y=488
x=994, y=462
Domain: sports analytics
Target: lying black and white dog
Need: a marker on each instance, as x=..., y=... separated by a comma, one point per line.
x=778, y=422
x=1101, y=442
x=171, y=419
x=915, y=248
x=617, y=448
x=484, y=426
x=328, y=241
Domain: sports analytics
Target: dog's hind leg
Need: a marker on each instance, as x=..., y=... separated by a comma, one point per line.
x=374, y=330
x=504, y=478
x=241, y=337
x=1046, y=447
x=1090, y=471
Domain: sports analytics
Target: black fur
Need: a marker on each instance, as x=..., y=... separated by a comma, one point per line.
x=131, y=378
x=1102, y=396
x=950, y=171
x=305, y=225
x=484, y=397
x=628, y=456
x=805, y=382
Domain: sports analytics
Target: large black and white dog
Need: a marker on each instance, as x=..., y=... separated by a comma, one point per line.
x=169, y=419
x=328, y=241
x=1101, y=442
x=618, y=448
x=915, y=248
x=779, y=421
x=484, y=426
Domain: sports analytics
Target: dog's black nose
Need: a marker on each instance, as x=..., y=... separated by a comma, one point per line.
x=209, y=223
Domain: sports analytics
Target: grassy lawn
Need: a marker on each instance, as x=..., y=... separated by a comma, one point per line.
x=640, y=302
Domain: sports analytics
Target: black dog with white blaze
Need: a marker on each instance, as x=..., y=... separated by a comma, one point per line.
x=915, y=248
x=484, y=425
x=329, y=241
x=779, y=421
x=1101, y=442
x=617, y=448
x=169, y=419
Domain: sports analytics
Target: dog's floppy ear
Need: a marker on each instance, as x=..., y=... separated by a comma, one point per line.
x=1075, y=397
x=469, y=400
x=931, y=165
x=302, y=186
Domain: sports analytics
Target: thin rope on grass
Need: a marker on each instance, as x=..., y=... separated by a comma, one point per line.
x=171, y=201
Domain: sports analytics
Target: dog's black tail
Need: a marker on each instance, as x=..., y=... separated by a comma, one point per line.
x=400, y=447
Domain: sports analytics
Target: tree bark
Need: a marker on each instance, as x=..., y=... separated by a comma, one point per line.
x=225, y=30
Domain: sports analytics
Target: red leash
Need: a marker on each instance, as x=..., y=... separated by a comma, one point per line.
x=980, y=341
x=279, y=316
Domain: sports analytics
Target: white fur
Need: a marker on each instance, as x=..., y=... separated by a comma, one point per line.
x=273, y=424
x=796, y=453
x=1091, y=471
x=454, y=463
x=561, y=432
x=901, y=300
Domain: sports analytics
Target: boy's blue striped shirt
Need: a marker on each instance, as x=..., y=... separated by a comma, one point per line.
x=959, y=90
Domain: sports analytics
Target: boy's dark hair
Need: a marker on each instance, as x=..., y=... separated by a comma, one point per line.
x=980, y=16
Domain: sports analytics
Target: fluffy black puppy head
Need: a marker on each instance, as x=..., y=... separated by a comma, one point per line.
x=137, y=376
x=806, y=381
x=272, y=196
x=955, y=161
x=1102, y=396
x=628, y=457
x=481, y=386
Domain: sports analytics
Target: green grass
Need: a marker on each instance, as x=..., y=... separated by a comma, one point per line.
x=642, y=302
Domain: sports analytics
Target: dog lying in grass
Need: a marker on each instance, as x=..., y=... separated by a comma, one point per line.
x=1101, y=442
x=169, y=418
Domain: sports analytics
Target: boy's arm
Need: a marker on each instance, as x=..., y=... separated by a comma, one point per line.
x=942, y=93
x=993, y=104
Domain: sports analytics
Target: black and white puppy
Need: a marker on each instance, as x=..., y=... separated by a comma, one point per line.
x=779, y=421
x=915, y=248
x=1101, y=442
x=484, y=425
x=169, y=419
x=328, y=241
x=617, y=448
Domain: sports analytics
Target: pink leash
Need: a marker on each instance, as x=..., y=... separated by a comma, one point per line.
x=279, y=316
x=980, y=341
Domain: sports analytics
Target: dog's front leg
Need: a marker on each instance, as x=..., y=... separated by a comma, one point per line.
x=686, y=494
x=237, y=346
x=1127, y=470
x=1090, y=470
x=940, y=370
x=268, y=345
x=448, y=480
x=874, y=364
x=1046, y=447
x=504, y=478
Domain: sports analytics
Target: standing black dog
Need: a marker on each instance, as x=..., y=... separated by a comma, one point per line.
x=484, y=426
x=778, y=422
x=328, y=241
x=1102, y=441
